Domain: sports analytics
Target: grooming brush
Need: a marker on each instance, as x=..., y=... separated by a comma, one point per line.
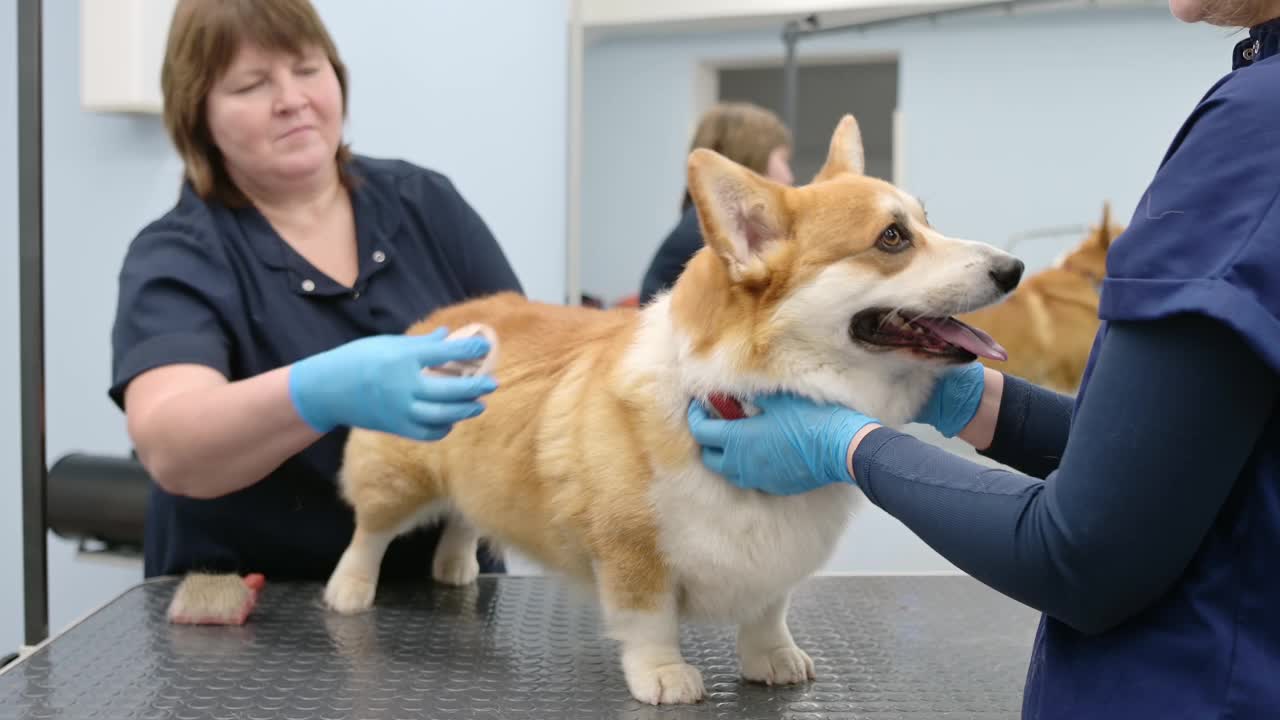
x=215, y=599
x=479, y=366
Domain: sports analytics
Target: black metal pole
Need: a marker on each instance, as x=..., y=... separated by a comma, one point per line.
x=793, y=32
x=790, y=76
x=1006, y=6
x=31, y=309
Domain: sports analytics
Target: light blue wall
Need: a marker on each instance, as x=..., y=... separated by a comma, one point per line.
x=1010, y=124
x=476, y=89
x=10, y=480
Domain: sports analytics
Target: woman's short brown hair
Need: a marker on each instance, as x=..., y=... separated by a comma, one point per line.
x=204, y=37
x=743, y=132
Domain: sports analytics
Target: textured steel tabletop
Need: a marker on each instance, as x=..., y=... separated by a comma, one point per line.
x=521, y=647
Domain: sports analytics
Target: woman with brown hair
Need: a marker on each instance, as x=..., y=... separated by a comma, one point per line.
x=262, y=316
x=750, y=136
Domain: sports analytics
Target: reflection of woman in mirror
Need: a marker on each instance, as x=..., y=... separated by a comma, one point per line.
x=747, y=134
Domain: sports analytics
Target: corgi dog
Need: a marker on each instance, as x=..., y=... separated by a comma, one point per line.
x=839, y=291
x=1049, y=322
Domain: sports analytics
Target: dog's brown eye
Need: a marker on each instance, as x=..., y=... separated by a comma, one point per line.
x=893, y=239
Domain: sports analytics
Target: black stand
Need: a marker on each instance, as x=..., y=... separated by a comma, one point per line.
x=35, y=553
x=795, y=31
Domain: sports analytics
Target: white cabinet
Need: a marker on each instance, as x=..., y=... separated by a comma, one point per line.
x=121, y=49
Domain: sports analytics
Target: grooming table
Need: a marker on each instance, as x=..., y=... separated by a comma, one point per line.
x=521, y=647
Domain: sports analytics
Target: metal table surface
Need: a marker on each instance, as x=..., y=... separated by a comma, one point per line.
x=521, y=647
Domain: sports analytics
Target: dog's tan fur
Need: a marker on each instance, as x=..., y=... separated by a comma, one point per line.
x=583, y=460
x=1048, y=324
x=554, y=361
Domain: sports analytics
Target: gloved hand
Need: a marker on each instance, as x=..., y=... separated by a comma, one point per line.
x=954, y=400
x=377, y=383
x=792, y=446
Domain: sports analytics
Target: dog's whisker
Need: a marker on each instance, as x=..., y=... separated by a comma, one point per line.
x=918, y=317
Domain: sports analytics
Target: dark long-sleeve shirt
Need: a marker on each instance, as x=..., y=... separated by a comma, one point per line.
x=1110, y=505
x=672, y=255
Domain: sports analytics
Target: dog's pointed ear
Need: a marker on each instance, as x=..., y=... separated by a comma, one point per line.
x=741, y=213
x=1105, y=236
x=845, y=155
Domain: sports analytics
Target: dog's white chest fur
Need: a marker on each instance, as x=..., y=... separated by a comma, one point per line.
x=732, y=552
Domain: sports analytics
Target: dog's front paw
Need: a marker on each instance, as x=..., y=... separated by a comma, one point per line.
x=455, y=568
x=779, y=666
x=674, y=684
x=349, y=593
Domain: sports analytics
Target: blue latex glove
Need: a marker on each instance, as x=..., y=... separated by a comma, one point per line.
x=954, y=400
x=376, y=383
x=792, y=446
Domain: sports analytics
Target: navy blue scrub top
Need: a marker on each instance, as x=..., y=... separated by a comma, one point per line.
x=1143, y=516
x=217, y=286
x=1205, y=239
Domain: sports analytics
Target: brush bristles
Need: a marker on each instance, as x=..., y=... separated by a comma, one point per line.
x=205, y=598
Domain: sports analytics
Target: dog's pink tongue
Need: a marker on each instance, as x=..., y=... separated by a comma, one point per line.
x=966, y=336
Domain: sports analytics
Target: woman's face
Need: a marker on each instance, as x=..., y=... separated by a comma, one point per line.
x=276, y=117
x=779, y=167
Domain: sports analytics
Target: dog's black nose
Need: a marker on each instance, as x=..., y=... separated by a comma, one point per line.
x=1007, y=275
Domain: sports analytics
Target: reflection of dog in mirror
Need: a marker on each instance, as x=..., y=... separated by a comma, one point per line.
x=840, y=290
x=1049, y=322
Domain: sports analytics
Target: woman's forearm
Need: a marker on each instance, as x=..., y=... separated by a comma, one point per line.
x=1085, y=544
x=978, y=433
x=1026, y=428
x=1022, y=425
x=211, y=440
x=982, y=428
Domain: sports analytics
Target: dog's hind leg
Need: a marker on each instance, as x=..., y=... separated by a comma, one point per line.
x=354, y=581
x=767, y=652
x=390, y=497
x=455, y=561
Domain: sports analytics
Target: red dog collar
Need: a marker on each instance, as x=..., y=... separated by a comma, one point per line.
x=726, y=406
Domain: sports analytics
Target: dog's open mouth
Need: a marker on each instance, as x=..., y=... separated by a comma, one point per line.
x=937, y=337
